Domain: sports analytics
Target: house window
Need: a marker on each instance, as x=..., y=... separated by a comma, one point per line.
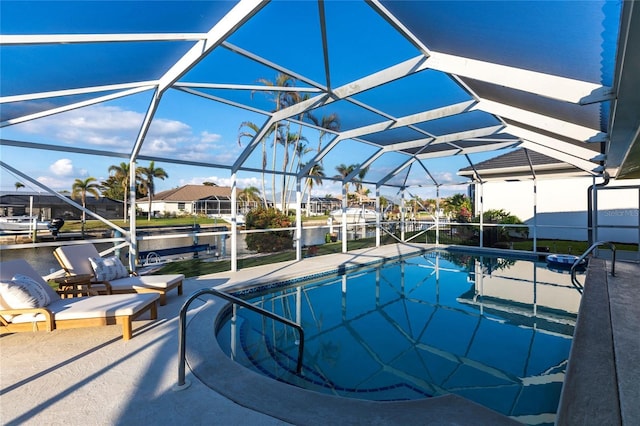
x=181, y=206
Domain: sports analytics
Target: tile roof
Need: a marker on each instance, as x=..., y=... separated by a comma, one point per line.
x=192, y=193
x=515, y=164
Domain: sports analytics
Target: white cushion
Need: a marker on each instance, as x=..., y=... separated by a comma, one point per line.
x=108, y=268
x=94, y=307
x=23, y=292
x=146, y=282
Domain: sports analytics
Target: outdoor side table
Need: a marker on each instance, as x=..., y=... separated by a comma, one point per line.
x=73, y=285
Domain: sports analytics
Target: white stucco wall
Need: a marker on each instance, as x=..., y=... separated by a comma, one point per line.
x=562, y=207
x=165, y=208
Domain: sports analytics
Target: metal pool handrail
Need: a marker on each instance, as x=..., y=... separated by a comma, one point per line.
x=574, y=280
x=182, y=329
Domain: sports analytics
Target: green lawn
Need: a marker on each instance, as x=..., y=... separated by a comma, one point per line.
x=96, y=225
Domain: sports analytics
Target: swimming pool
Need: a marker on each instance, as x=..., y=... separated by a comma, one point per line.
x=493, y=330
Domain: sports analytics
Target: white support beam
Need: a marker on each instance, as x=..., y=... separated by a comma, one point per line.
x=364, y=165
x=416, y=143
x=251, y=87
x=399, y=26
x=272, y=65
x=468, y=150
x=547, y=85
x=262, y=133
x=408, y=120
x=585, y=165
x=396, y=171
x=64, y=198
x=451, y=137
x=395, y=72
x=237, y=16
x=219, y=99
x=379, y=78
x=468, y=134
x=79, y=91
x=73, y=106
x=24, y=39
x=540, y=139
x=554, y=125
x=146, y=123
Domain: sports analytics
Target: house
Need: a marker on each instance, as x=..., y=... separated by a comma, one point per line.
x=558, y=203
x=48, y=206
x=207, y=200
x=317, y=206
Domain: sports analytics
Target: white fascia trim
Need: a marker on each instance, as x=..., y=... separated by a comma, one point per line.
x=560, y=127
x=96, y=38
x=550, y=142
x=547, y=85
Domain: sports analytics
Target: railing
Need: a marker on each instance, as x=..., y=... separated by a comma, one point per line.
x=182, y=329
x=579, y=260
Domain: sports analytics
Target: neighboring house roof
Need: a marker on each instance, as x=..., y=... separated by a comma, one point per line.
x=189, y=193
x=516, y=164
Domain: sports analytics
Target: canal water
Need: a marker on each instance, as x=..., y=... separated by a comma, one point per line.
x=44, y=262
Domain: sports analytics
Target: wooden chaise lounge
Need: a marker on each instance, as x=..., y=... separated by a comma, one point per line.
x=74, y=260
x=60, y=313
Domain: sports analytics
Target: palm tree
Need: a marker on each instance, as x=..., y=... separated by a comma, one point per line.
x=328, y=122
x=316, y=173
x=19, y=185
x=150, y=173
x=248, y=195
x=122, y=177
x=294, y=140
x=358, y=183
x=282, y=99
x=251, y=133
x=80, y=189
x=344, y=171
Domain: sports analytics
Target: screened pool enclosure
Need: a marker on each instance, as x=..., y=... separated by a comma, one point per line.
x=392, y=100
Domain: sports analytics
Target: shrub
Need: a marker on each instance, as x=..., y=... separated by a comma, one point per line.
x=268, y=242
x=503, y=217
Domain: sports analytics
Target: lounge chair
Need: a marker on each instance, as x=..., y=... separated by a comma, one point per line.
x=75, y=261
x=30, y=304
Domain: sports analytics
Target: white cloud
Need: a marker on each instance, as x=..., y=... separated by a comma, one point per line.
x=62, y=167
x=207, y=137
x=56, y=183
x=98, y=125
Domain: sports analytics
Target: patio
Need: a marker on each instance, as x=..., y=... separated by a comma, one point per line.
x=71, y=376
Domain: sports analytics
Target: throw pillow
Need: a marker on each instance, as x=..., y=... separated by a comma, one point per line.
x=23, y=292
x=108, y=268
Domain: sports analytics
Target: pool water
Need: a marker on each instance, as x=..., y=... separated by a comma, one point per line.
x=496, y=331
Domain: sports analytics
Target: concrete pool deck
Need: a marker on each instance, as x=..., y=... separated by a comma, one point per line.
x=91, y=376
